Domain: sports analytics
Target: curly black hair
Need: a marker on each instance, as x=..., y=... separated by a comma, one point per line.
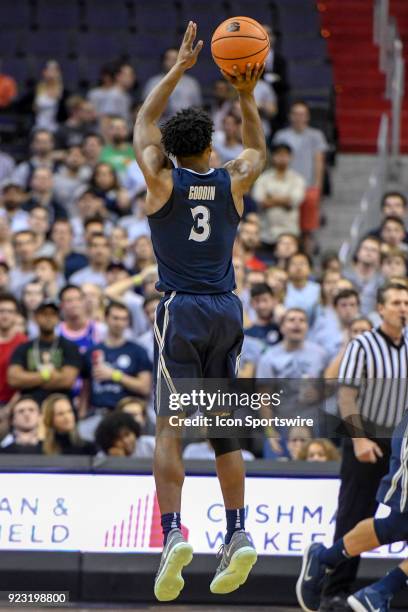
x=111, y=426
x=188, y=133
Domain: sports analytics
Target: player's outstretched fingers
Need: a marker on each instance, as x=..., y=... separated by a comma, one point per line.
x=248, y=74
x=254, y=72
x=237, y=73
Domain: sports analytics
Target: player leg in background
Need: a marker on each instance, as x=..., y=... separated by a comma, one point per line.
x=367, y=535
x=237, y=553
x=169, y=477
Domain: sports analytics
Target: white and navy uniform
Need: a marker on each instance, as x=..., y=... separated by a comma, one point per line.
x=393, y=490
x=198, y=327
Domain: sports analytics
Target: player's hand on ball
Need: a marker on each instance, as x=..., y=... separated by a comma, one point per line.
x=188, y=54
x=245, y=82
x=366, y=451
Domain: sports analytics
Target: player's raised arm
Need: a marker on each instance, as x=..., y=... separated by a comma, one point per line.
x=149, y=152
x=249, y=164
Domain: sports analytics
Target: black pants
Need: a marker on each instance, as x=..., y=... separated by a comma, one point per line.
x=357, y=501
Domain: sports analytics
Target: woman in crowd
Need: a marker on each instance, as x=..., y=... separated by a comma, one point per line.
x=60, y=432
x=105, y=184
x=48, y=98
x=319, y=449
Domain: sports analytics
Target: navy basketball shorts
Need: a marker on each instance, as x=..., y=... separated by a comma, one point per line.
x=196, y=337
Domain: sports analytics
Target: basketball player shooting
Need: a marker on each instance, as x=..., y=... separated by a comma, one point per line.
x=193, y=212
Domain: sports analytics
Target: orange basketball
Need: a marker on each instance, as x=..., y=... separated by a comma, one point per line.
x=239, y=41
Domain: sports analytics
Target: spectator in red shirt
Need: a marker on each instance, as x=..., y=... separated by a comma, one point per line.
x=9, y=340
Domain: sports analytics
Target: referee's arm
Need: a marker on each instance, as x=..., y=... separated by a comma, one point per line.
x=351, y=373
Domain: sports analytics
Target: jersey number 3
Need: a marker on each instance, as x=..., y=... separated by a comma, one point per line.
x=201, y=229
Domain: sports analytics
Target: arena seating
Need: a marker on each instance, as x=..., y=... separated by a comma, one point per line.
x=84, y=34
x=348, y=27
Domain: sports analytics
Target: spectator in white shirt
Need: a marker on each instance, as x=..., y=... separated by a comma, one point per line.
x=309, y=146
x=279, y=192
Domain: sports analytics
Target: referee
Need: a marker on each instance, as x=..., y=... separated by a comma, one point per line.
x=372, y=398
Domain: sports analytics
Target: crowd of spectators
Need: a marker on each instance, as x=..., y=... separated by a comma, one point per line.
x=78, y=273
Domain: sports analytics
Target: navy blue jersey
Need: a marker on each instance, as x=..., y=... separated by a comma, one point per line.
x=194, y=232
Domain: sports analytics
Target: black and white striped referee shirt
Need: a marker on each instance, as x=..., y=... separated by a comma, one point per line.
x=378, y=368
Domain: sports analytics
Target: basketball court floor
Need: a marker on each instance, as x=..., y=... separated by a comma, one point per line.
x=172, y=608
